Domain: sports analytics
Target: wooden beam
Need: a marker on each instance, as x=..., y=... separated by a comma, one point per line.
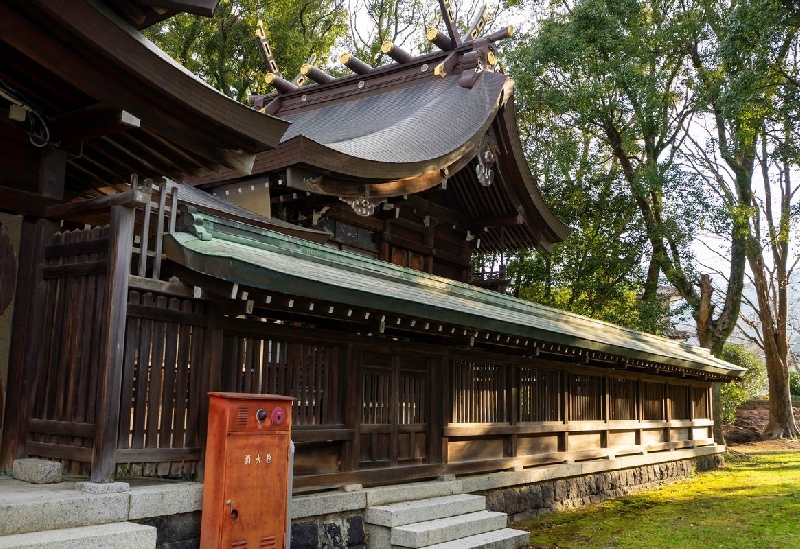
x=130, y=199
x=93, y=121
x=112, y=347
x=197, y=7
x=22, y=202
x=213, y=285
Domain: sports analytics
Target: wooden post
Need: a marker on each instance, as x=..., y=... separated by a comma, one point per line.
x=112, y=343
x=212, y=365
x=352, y=408
x=26, y=343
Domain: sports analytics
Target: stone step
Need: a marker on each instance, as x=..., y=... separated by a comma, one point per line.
x=32, y=512
x=119, y=535
x=409, y=512
x=505, y=538
x=423, y=534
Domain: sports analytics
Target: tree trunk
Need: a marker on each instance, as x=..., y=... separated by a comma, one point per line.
x=781, y=418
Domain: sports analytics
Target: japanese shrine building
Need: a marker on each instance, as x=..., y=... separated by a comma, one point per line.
x=319, y=246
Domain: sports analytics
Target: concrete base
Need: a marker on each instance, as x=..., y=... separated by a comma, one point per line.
x=37, y=471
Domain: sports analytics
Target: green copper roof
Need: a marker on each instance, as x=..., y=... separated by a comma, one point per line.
x=264, y=259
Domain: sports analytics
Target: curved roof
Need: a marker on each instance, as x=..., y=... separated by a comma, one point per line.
x=403, y=129
x=418, y=124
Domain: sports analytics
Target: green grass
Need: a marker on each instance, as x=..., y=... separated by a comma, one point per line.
x=754, y=502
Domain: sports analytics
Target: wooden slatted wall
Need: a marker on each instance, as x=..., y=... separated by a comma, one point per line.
x=478, y=392
x=622, y=393
x=586, y=398
x=305, y=371
x=163, y=387
x=679, y=401
x=701, y=408
x=62, y=419
x=653, y=401
x=539, y=395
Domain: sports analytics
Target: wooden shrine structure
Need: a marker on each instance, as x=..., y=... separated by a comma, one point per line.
x=319, y=246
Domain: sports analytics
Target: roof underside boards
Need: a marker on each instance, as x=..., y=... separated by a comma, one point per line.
x=280, y=263
x=79, y=66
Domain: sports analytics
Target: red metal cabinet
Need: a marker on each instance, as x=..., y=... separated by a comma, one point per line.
x=247, y=472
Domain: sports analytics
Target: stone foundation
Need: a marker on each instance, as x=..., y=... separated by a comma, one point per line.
x=521, y=502
x=334, y=520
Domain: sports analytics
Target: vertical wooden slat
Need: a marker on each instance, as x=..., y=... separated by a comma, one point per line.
x=144, y=242
x=196, y=384
x=164, y=187
x=142, y=375
x=182, y=384
x=154, y=403
x=170, y=372
x=119, y=258
x=128, y=372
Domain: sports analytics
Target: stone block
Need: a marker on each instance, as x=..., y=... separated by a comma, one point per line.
x=447, y=529
x=355, y=531
x=325, y=504
x=165, y=499
x=332, y=535
x=69, y=510
x=102, y=487
x=385, y=495
x=37, y=471
x=124, y=535
x=305, y=535
x=408, y=512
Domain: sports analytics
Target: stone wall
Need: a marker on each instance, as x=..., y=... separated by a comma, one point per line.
x=521, y=502
x=335, y=519
x=328, y=532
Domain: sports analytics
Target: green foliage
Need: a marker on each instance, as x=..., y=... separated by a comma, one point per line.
x=603, y=100
x=794, y=384
x=222, y=49
x=753, y=384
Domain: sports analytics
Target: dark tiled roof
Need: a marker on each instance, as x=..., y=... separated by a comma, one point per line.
x=408, y=124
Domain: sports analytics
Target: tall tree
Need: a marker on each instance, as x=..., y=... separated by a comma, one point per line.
x=222, y=49
x=745, y=63
x=619, y=70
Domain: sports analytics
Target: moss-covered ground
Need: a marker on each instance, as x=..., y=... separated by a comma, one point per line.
x=753, y=502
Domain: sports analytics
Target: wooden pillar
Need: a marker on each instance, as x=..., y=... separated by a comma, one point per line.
x=352, y=409
x=438, y=397
x=512, y=387
x=212, y=366
x=26, y=342
x=715, y=400
x=446, y=404
x=112, y=343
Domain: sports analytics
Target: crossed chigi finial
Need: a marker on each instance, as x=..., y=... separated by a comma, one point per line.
x=482, y=57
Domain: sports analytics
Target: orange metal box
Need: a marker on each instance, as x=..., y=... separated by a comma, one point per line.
x=246, y=481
